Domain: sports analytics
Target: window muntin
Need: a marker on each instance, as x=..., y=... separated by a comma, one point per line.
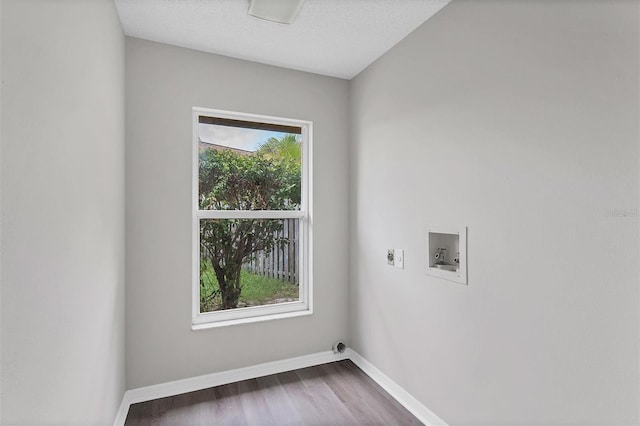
x=251, y=217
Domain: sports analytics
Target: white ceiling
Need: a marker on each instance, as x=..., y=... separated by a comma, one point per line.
x=338, y=38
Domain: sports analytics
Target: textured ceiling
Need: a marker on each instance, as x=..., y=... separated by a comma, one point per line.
x=338, y=38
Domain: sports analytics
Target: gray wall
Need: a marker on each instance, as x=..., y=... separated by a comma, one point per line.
x=519, y=120
x=163, y=84
x=62, y=173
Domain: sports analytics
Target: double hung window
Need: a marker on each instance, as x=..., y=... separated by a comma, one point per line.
x=251, y=217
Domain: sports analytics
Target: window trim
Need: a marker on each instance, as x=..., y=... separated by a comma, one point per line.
x=265, y=312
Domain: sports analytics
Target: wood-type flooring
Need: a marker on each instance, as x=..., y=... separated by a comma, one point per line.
x=338, y=393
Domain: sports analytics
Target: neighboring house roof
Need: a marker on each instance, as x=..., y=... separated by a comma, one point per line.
x=209, y=145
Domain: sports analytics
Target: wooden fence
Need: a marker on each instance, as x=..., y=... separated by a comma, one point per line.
x=282, y=261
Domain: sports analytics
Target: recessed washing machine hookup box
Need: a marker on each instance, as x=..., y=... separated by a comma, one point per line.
x=446, y=252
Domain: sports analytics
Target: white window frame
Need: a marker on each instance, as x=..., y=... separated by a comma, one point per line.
x=304, y=306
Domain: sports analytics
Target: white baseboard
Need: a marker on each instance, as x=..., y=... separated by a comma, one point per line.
x=414, y=406
x=178, y=387
x=121, y=415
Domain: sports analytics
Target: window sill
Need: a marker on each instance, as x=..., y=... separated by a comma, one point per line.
x=248, y=320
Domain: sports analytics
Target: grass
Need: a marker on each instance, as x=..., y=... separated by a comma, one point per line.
x=256, y=290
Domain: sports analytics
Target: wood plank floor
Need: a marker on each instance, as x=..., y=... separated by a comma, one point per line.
x=338, y=393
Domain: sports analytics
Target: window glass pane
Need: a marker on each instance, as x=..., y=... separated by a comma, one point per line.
x=248, y=262
x=248, y=169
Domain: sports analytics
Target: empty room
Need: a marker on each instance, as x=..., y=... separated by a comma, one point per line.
x=319, y=212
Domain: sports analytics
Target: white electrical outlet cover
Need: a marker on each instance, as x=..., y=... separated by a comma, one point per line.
x=398, y=258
